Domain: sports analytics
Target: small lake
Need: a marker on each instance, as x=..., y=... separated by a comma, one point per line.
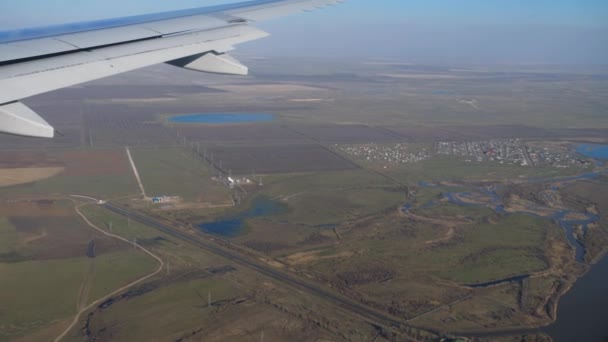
x=232, y=226
x=593, y=151
x=222, y=118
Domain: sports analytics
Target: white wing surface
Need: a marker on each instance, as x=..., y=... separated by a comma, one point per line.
x=39, y=60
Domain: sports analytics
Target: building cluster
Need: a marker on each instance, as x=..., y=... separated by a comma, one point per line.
x=558, y=159
x=165, y=199
x=390, y=154
x=510, y=151
x=232, y=181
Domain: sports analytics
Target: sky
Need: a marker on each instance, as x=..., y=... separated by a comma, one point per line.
x=432, y=31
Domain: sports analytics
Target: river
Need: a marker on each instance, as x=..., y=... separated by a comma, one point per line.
x=495, y=203
x=581, y=313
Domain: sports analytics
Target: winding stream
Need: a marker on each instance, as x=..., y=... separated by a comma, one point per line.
x=561, y=216
x=581, y=314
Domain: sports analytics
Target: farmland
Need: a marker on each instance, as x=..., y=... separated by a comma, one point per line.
x=418, y=240
x=277, y=159
x=209, y=294
x=239, y=134
x=346, y=133
x=44, y=264
x=16, y=176
x=110, y=125
x=96, y=172
x=177, y=172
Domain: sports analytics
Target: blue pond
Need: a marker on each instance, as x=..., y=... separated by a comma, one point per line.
x=222, y=118
x=593, y=151
x=233, y=225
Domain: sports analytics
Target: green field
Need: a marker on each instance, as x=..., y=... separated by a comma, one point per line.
x=8, y=237
x=514, y=241
x=117, y=224
x=45, y=267
x=447, y=209
x=284, y=185
x=91, y=173
x=340, y=206
x=344, y=230
x=118, y=269
x=515, y=244
x=455, y=168
x=176, y=172
x=37, y=293
x=179, y=254
x=170, y=311
x=102, y=186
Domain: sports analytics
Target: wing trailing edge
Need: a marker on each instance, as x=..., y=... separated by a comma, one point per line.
x=39, y=60
x=16, y=118
x=212, y=62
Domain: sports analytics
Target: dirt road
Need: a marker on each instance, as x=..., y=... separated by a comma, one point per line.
x=161, y=265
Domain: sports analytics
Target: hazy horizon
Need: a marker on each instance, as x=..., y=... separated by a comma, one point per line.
x=564, y=32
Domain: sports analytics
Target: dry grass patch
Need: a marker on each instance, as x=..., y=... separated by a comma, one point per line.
x=10, y=177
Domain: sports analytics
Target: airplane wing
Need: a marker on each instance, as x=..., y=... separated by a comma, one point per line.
x=39, y=60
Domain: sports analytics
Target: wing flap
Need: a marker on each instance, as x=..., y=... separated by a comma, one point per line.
x=39, y=76
x=30, y=48
x=188, y=24
x=39, y=60
x=17, y=118
x=212, y=63
x=91, y=39
x=23, y=44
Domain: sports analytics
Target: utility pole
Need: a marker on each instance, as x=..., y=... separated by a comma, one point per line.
x=209, y=299
x=110, y=227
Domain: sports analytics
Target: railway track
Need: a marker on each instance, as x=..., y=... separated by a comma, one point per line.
x=369, y=314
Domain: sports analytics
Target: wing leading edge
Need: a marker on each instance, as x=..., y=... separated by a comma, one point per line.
x=36, y=61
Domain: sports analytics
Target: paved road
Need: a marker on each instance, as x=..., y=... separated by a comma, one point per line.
x=344, y=303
